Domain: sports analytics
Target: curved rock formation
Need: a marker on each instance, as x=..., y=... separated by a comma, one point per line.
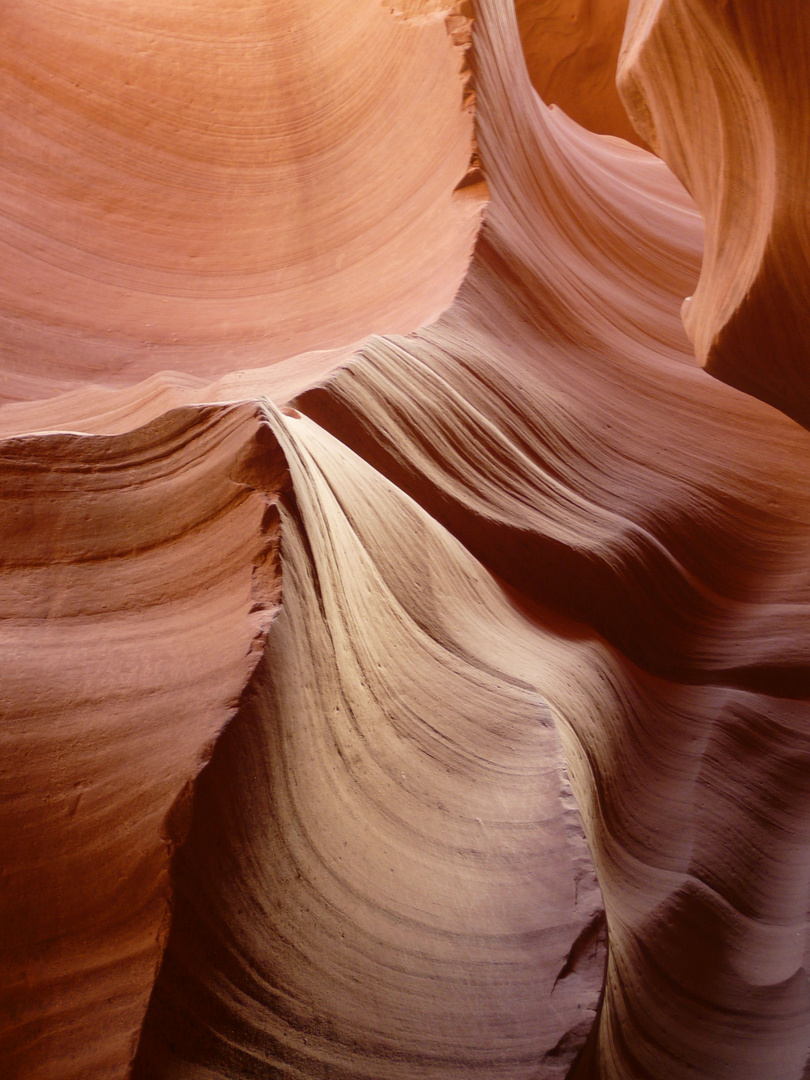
x=565, y=438
x=712, y=87
x=528, y=545
x=571, y=49
x=386, y=875
x=140, y=577
x=179, y=189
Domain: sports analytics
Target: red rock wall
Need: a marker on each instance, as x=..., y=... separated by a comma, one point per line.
x=715, y=88
x=434, y=706
x=571, y=49
x=210, y=186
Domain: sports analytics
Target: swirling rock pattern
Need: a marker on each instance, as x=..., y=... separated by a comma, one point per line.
x=181, y=190
x=493, y=634
x=712, y=88
x=386, y=875
x=577, y=452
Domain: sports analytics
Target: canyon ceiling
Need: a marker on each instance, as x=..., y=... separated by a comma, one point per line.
x=405, y=580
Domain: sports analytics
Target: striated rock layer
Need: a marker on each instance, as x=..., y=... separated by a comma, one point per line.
x=565, y=437
x=386, y=875
x=140, y=576
x=515, y=784
x=209, y=186
x=712, y=87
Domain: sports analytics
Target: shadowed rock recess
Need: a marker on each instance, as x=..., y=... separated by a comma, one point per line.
x=405, y=540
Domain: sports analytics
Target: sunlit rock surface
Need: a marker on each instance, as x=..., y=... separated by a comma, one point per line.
x=435, y=704
x=713, y=88
x=205, y=186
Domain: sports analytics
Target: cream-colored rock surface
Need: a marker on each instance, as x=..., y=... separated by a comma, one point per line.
x=539, y=585
x=386, y=875
x=567, y=439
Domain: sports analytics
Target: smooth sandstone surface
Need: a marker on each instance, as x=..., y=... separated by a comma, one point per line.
x=571, y=49
x=386, y=875
x=434, y=706
x=713, y=89
x=566, y=437
x=208, y=186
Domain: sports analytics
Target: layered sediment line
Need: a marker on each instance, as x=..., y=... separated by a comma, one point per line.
x=386, y=875
x=139, y=579
x=564, y=436
x=712, y=87
x=215, y=186
x=516, y=784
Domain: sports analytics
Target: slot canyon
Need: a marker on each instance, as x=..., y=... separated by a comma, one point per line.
x=405, y=585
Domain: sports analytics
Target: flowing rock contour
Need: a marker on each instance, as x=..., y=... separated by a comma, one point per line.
x=140, y=577
x=712, y=87
x=431, y=707
x=206, y=186
x=567, y=438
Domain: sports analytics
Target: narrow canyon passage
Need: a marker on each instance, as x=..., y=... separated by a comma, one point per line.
x=405, y=560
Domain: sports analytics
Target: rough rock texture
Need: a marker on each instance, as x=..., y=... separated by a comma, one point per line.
x=516, y=783
x=140, y=576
